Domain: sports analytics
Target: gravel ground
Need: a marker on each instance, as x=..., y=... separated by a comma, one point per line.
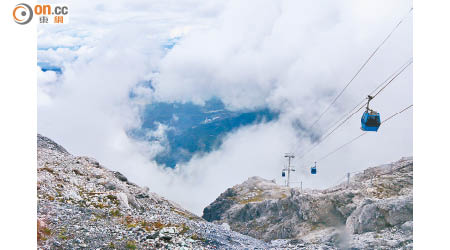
x=83, y=205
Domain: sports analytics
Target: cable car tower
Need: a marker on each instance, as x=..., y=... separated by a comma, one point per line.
x=289, y=168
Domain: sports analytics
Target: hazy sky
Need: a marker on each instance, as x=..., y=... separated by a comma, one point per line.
x=290, y=56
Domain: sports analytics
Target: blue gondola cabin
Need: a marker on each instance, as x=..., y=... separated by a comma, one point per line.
x=313, y=170
x=370, y=121
x=283, y=174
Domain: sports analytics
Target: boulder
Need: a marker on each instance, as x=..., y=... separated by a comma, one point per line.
x=120, y=176
x=123, y=200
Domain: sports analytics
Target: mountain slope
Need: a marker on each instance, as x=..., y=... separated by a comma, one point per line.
x=83, y=205
x=374, y=211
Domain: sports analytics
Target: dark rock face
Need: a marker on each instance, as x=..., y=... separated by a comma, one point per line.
x=214, y=211
x=44, y=142
x=377, y=200
x=120, y=176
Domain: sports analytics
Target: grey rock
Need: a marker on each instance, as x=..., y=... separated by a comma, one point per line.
x=142, y=196
x=407, y=226
x=110, y=186
x=120, y=176
x=44, y=142
x=216, y=209
x=374, y=215
x=153, y=236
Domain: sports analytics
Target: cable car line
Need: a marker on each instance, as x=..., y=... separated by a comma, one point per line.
x=370, y=120
x=383, y=85
x=410, y=62
x=354, y=139
x=359, y=70
x=334, y=151
x=327, y=135
x=359, y=136
x=349, y=114
x=390, y=117
x=392, y=76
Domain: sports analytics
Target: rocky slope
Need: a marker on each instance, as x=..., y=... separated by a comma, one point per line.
x=83, y=205
x=375, y=211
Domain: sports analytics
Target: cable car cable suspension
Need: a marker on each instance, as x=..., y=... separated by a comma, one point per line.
x=370, y=120
x=406, y=64
x=384, y=84
x=392, y=77
x=360, y=69
x=354, y=139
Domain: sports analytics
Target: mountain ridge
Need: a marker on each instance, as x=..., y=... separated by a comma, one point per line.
x=377, y=204
x=83, y=205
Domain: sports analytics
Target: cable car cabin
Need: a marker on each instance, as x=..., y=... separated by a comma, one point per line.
x=370, y=121
x=283, y=174
x=313, y=170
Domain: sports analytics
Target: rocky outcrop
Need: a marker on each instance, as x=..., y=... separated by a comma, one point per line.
x=44, y=142
x=374, y=215
x=374, y=211
x=83, y=205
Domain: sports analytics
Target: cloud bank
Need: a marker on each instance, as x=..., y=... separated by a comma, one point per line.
x=290, y=56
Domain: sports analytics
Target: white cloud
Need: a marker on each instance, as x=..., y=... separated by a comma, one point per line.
x=46, y=77
x=46, y=81
x=292, y=56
